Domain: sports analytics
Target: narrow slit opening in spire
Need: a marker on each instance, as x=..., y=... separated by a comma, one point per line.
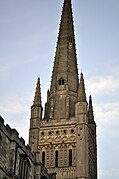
x=61, y=81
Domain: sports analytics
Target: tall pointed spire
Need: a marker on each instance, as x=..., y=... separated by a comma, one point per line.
x=36, y=108
x=36, y=117
x=81, y=90
x=65, y=65
x=90, y=111
x=37, y=97
x=64, y=81
x=90, y=104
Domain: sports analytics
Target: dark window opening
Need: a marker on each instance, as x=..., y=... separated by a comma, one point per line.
x=57, y=132
x=70, y=39
x=42, y=133
x=70, y=157
x=43, y=177
x=56, y=158
x=72, y=130
x=61, y=81
x=43, y=158
x=64, y=131
x=50, y=132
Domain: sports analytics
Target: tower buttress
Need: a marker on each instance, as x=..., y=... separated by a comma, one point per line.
x=82, y=132
x=36, y=117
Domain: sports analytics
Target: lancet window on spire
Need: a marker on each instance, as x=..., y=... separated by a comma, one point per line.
x=70, y=39
x=61, y=81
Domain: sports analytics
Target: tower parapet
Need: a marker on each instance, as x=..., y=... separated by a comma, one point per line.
x=36, y=117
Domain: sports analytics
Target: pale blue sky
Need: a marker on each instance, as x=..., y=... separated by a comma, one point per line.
x=28, y=35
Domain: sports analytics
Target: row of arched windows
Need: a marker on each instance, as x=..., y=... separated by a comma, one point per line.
x=24, y=166
x=57, y=158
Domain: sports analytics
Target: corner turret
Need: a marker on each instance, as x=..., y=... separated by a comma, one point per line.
x=90, y=111
x=82, y=131
x=81, y=105
x=92, y=141
x=81, y=90
x=36, y=108
x=36, y=117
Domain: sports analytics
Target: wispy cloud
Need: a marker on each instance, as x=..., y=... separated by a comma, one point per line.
x=14, y=105
x=107, y=118
x=113, y=172
x=108, y=112
x=105, y=84
x=15, y=111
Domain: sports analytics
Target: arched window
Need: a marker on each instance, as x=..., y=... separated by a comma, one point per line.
x=56, y=158
x=61, y=81
x=70, y=157
x=43, y=158
x=24, y=166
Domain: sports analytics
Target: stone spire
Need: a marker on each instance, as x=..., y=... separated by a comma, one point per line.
x=36, y=108
x=90, y=111
x=36, y=117
x=81, y=90
x=63, y=91
x=65, y=64
x=37, y=97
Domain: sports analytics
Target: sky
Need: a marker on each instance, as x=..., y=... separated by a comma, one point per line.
x=28, y=36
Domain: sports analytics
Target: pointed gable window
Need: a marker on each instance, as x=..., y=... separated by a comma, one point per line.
x=61, y=81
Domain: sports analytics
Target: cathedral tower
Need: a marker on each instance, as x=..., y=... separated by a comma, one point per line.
x=65, y=138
